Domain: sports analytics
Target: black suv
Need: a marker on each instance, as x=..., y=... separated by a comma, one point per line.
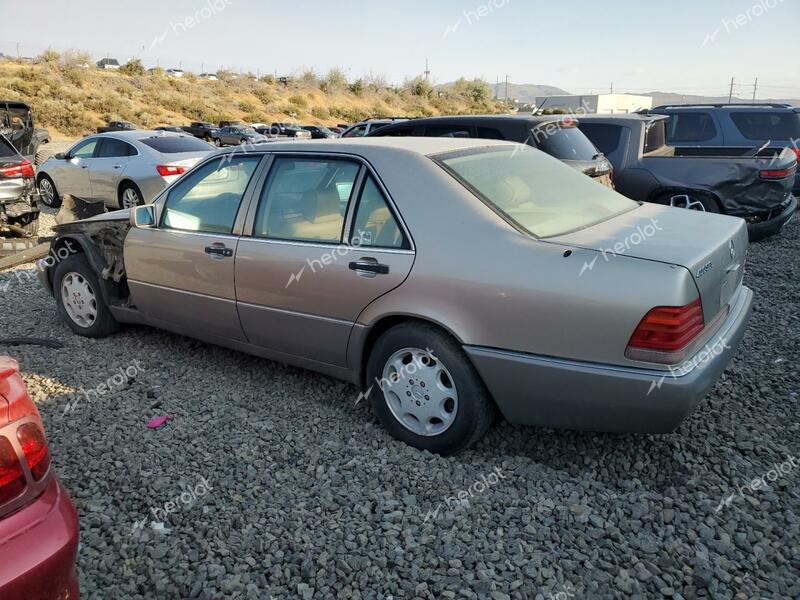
x=557, y=135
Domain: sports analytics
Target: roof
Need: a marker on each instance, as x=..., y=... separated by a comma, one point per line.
x=732, y=106
x=623, y=117
x=486, y=118
x=137, y=134
x=108, y=61
x=414, y=145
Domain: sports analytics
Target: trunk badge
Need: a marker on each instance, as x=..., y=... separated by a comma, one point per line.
x=732, y=248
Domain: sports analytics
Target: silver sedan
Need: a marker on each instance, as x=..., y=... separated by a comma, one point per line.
x=121, y=169
x=449, y=278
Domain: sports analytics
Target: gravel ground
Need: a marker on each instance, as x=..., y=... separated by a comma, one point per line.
x=296, y=491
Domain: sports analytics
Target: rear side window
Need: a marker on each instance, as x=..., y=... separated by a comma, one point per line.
x=175, y=144
x=565, y=143
x=399, y=132
x=605, y=137
x=765, y=125
x=451, y=131
x=209, y=198
x=111, y=148
x=305, y=199
x=375, y=225
x=655, y=136
x=690, y=127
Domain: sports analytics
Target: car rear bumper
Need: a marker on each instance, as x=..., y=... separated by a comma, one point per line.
x=565, y=394
x=771, y=226
x=38, y=546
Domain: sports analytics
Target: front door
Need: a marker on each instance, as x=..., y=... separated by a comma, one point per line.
x=109, y=163
x=181, y=273
x=303, y=276
x=72, y=176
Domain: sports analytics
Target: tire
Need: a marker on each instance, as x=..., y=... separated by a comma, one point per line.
x=207, y=139
x=74, y=277
x=690, y=199
x=218, y=142
x=464, y=408
x=130, y=196
x=48, y=193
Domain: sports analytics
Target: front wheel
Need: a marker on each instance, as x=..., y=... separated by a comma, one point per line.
x=47, y=192
x=218, y=142
x=425, y=391
x=80, y=302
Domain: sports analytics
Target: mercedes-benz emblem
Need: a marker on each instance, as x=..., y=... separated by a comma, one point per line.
x=732, y=248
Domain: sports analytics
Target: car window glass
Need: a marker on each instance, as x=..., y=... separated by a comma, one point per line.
x=169, y=144
x=605, y=137
x=399, y=132
x=305, y=199
x=359, y=131
x=489, y=133
x=768, y=125
x=564, y=142
x=209, y=198
x=375, y=225
x=690, y=127
x=111, y=148
x=85, y=149
x=453, y=131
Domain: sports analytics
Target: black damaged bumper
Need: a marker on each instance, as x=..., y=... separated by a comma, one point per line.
x=773, y=222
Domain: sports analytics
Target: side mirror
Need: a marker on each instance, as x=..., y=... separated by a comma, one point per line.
x=143, y=216
x=60, y=156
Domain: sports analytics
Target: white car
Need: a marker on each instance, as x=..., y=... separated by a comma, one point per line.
x=122, y=169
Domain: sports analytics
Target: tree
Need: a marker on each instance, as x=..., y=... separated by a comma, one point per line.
x=133, y=67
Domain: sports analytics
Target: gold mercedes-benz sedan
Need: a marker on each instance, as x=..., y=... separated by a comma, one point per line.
x=450, y=278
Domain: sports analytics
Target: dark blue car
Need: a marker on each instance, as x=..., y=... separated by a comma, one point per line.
x=742, y=125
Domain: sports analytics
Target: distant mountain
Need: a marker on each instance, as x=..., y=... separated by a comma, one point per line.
x=660, y=98
x=526, y=92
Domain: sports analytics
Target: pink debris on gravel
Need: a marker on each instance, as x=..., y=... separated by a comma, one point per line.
x=159, y=421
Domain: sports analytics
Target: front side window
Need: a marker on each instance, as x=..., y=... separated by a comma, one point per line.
x=375, y=225
x=539, y=194
x=768, y=125
x=359, y=131
x=84, y=149
x=305, y=199
x=209, y=198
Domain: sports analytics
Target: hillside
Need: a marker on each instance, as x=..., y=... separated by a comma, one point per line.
x=73, y=100
x=526, y=92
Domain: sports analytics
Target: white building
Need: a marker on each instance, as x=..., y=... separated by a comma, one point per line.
x=108, y=63
x=174, y=72
x=603, y=104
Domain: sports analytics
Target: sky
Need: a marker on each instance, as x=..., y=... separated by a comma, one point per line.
x=685, y=46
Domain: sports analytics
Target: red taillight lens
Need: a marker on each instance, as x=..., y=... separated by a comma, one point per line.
x=34, y=447
x=167, y=170
x=23, y=169
x=669, y=328
x=12, y=478
x=778, y=173
x=797, y=152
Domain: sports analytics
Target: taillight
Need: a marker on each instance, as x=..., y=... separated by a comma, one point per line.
x=797, y=152
x=668, y=329
x=167, y=170
x=12, y=478
x=778, y=173
x=23, y=169
x=34, y=447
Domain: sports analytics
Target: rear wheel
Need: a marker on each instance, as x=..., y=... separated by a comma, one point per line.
x=425, y=391
x=130, y=196
x=80, y=303
x=48, y=193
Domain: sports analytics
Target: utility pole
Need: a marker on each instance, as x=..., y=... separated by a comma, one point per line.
x=17, y=50
x=427, y=70
x=730, y=96
x=506, y=88
x=202, y=68
x=755, y=88
x=612, y=88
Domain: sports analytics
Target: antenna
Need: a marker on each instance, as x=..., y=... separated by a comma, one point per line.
x=730, y=96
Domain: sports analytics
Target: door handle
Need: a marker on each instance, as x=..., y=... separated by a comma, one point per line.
x=117, y=166
x=369, y=267
x=219, y=250
x=84, y=166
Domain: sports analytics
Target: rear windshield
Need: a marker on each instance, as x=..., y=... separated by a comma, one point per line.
x=6, y=149
x=565, y=143
x=176, y=144
x=765, y=125
x=655, y=136
x=538, y=193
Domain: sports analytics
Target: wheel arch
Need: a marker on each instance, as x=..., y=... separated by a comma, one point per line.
x=125, y=181
x=660, y=192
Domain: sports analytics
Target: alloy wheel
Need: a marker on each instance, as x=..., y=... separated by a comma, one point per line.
x=46, y=192
x=130, y=198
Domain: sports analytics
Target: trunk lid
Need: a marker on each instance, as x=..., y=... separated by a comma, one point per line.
x=712, y=247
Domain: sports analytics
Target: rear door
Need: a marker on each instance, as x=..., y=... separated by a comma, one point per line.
x=181, y=273
x=323, y=241
x=111, y=159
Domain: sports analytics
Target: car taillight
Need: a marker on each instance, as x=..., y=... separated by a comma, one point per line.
x=778, y=173
x=34, y=447
x=12, y=478
x=167, y=170
x=668, y=329
x=797, y=152
x=23, y=169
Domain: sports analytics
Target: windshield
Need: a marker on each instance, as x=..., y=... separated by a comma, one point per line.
x=540, y=194
x=565, y=143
